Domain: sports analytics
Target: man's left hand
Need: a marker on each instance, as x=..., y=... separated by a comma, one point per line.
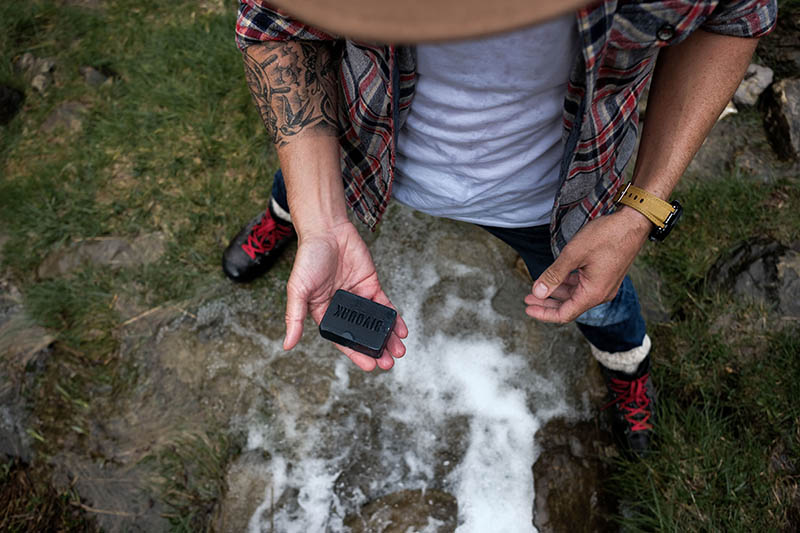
x=590, y=268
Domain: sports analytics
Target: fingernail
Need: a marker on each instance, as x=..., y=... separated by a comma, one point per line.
x=540, y=290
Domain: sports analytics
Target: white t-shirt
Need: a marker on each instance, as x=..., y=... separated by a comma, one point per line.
x=482, y=142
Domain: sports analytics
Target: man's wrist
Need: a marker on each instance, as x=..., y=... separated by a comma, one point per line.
x=316, y=225
x=635, y=221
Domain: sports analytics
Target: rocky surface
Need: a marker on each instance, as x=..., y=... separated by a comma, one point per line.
x=782, y=118
x=408, y=510
x=39, y=71
x=569, y=474
x=248, y=478
x=761, y=270
x=112, y=252
x=312, y=426
x=755, y=82
x=726, y=150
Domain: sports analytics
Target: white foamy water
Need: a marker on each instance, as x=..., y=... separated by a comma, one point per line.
x=468, y=378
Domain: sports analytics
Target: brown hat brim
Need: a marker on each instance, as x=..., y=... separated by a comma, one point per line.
x=414, y=21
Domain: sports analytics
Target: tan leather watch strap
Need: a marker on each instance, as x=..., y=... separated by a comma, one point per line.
x=651, y=206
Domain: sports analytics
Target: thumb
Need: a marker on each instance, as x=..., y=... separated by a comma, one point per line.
x=555, y=274
x=296, y=309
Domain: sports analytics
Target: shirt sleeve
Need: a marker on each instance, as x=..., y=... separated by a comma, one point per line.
x=743, y=18
x=258, y=22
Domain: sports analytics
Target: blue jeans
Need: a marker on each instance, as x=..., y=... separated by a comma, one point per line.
x=616, y=326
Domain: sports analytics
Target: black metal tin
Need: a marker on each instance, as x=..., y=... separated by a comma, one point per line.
x=358, y=323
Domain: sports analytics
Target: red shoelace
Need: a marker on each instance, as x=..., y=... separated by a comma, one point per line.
x=264, y=235
x=632, y=397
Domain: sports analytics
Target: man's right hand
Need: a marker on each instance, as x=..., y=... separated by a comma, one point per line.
x=336, y=258
x=295, y=88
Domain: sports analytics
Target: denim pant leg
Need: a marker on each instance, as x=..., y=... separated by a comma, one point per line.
x=616, y=326
x=279, y=190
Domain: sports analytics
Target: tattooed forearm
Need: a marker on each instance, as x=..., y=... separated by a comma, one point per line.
x=294, y=87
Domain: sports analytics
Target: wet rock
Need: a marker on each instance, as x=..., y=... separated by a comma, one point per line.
x=508, y=300
x=38, y=70
x=756, y=80
x=112, y=252
x=408, y=510
x=248, y=480
x=93, y=77
x=782, y=117
x=568, y=475
x=68, y=115
x=310, y=383
x=10, y=103
x=763, y=271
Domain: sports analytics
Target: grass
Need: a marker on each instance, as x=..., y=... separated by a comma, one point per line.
x=728, y=375
x=171, y=143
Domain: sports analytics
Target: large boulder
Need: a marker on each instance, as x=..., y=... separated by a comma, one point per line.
x=782, y=117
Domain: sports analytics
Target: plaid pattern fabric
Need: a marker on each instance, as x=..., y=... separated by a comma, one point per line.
x=620, y=40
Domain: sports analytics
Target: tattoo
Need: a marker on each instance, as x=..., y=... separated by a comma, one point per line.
x=294, y=87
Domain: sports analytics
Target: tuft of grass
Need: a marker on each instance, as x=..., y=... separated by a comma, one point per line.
x=192, y=478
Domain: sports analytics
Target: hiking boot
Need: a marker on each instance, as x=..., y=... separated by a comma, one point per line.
x=632, y=405
x=256, y=247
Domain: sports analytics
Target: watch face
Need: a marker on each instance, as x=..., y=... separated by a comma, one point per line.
x=659, y=234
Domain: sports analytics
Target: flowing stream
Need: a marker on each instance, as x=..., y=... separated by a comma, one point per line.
x=457, y=414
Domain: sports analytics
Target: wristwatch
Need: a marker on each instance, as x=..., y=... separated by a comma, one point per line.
x=664, y=215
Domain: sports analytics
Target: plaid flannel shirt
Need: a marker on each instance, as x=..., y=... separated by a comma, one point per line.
x=620, y=40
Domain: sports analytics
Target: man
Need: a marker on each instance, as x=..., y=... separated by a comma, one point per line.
x=525, y=132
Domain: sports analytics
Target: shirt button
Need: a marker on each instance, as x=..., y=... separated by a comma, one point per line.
x=665, y=32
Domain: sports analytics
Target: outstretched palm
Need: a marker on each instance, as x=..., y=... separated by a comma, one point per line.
x=325, y=262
